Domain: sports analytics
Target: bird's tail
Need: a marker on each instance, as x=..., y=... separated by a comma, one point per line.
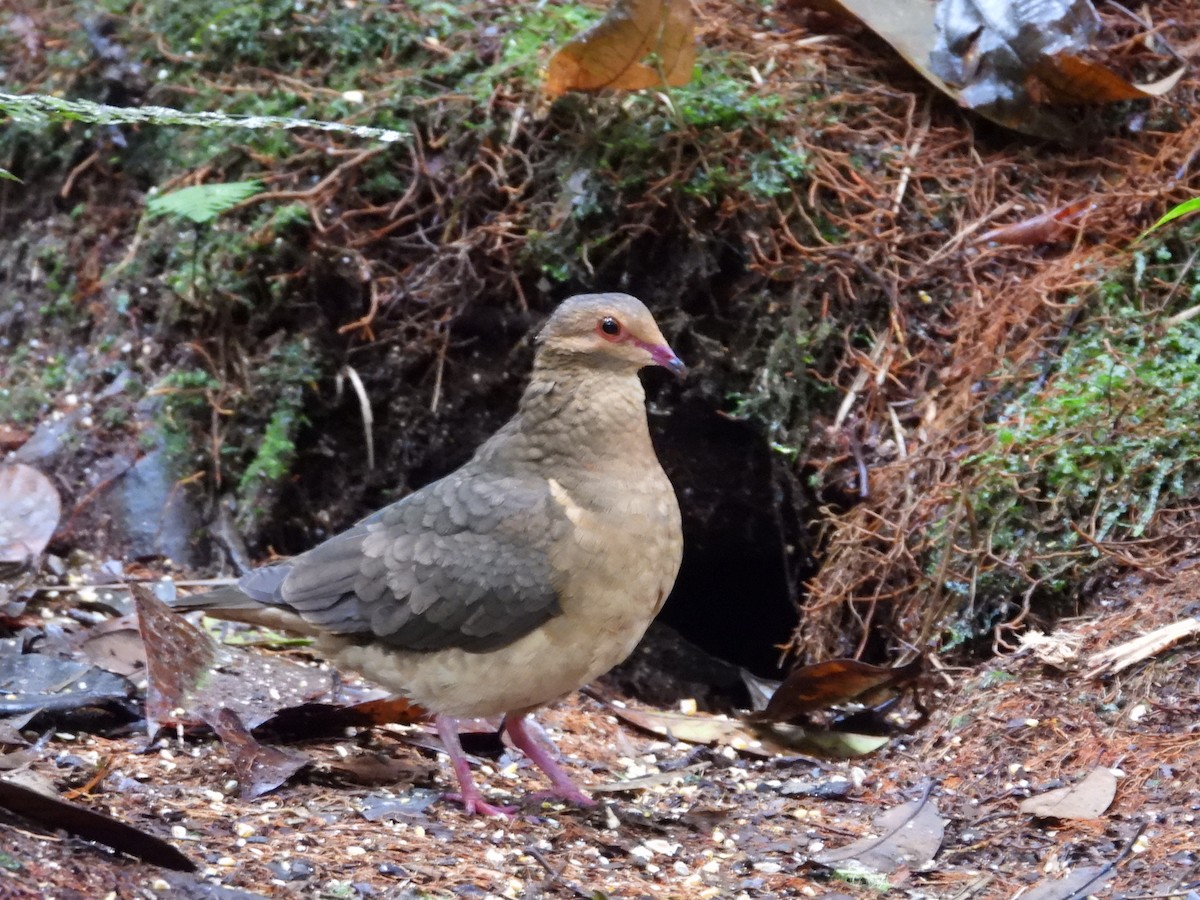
x=255, y=599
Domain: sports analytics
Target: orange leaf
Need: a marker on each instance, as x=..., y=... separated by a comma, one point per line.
x=613, y=53
x=1068, y=80
x=1049, y=227
x=834, y=681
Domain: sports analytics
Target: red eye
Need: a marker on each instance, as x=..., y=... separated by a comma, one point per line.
x=610, y=327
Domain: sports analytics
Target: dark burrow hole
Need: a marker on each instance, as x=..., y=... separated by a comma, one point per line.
x=732, y=606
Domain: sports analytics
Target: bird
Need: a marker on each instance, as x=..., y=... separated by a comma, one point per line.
x=521, y=576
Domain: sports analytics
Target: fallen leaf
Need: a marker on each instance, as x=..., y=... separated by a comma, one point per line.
x=115, y=645
x=910, y=836
x=388, y=711
x=1078, y=884
x=29, y=512
x=376, y=768
x=1069, y=80
x=54, y=813
x=760, y=689
x=1049, y=227
x=824, y=742
x=1017, y=64
x=190, y=676
x=832, y=682
x=259, y=768
x=1086, y=800
x=613, y=53
x=694, y=729
x=36, y=682
x=178, y=657
x=12, y=437
x=411, y=805
x=907, y=25
x=1116, y=659
x=10, y=736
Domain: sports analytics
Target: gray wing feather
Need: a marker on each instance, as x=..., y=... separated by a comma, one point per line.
x=464, y=562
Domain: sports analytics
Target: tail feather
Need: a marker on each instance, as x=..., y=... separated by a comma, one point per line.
x=230, y=597
x=254, y=599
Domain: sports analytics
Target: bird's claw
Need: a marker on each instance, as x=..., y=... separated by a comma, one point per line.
x=567, y=794
x=474, y=803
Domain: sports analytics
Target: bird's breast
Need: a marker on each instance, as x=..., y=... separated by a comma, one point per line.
x=619, y=561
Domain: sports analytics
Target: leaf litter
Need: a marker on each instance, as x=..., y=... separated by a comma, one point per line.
x=676, y=818
x=29, y=512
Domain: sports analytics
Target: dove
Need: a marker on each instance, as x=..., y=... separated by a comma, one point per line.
x=528, y=572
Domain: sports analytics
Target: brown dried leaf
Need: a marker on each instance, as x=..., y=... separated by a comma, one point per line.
x=1049, y=227
x=55, y=813
x=1086, y=800
x=1014, y=63
x=907, y=25
x=389, y=711
x=115, y=646
x=375, y=769
x=835, y=681
x=311, y=719
x=12, y=437
x=190, y=676
x=1070, y=80
x=613, y=53
x=29, y=511
x=259, y=768
x=178, y=656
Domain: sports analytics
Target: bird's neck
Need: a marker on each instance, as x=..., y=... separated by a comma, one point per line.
x=572, y=424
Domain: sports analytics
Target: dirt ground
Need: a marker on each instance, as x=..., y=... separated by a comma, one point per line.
x=707, y=821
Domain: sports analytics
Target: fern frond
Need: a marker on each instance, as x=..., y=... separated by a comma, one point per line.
x=203, y=202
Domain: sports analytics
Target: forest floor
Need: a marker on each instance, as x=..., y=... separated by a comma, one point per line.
x=367, y=818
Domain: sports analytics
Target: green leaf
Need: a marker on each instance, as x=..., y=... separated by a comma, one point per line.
x=1187, y=207
x=6, y=175
x=203, y=202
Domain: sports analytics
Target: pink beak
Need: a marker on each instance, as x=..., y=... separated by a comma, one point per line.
x=664, y=356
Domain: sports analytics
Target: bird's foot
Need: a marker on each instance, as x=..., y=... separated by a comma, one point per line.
x=562, y=787
x=567, y=793
x=474, y=803
x=468, y=795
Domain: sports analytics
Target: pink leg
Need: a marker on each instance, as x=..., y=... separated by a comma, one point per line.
x=472, y=800
x=563, y=788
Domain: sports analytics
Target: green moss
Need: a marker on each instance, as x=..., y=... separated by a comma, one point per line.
x=1097, y=447
x=773, y=173
x=276, y=450
x=280, y=387
x=723, y=96
x=183, y=412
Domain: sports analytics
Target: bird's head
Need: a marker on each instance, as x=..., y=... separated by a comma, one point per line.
x=608, y=331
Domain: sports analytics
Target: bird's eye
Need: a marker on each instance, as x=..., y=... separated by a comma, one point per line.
x=610, y=326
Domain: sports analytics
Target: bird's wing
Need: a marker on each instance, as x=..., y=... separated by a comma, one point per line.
x=464, y=562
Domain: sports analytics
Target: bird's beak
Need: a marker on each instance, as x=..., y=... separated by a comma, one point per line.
x=664, y=356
